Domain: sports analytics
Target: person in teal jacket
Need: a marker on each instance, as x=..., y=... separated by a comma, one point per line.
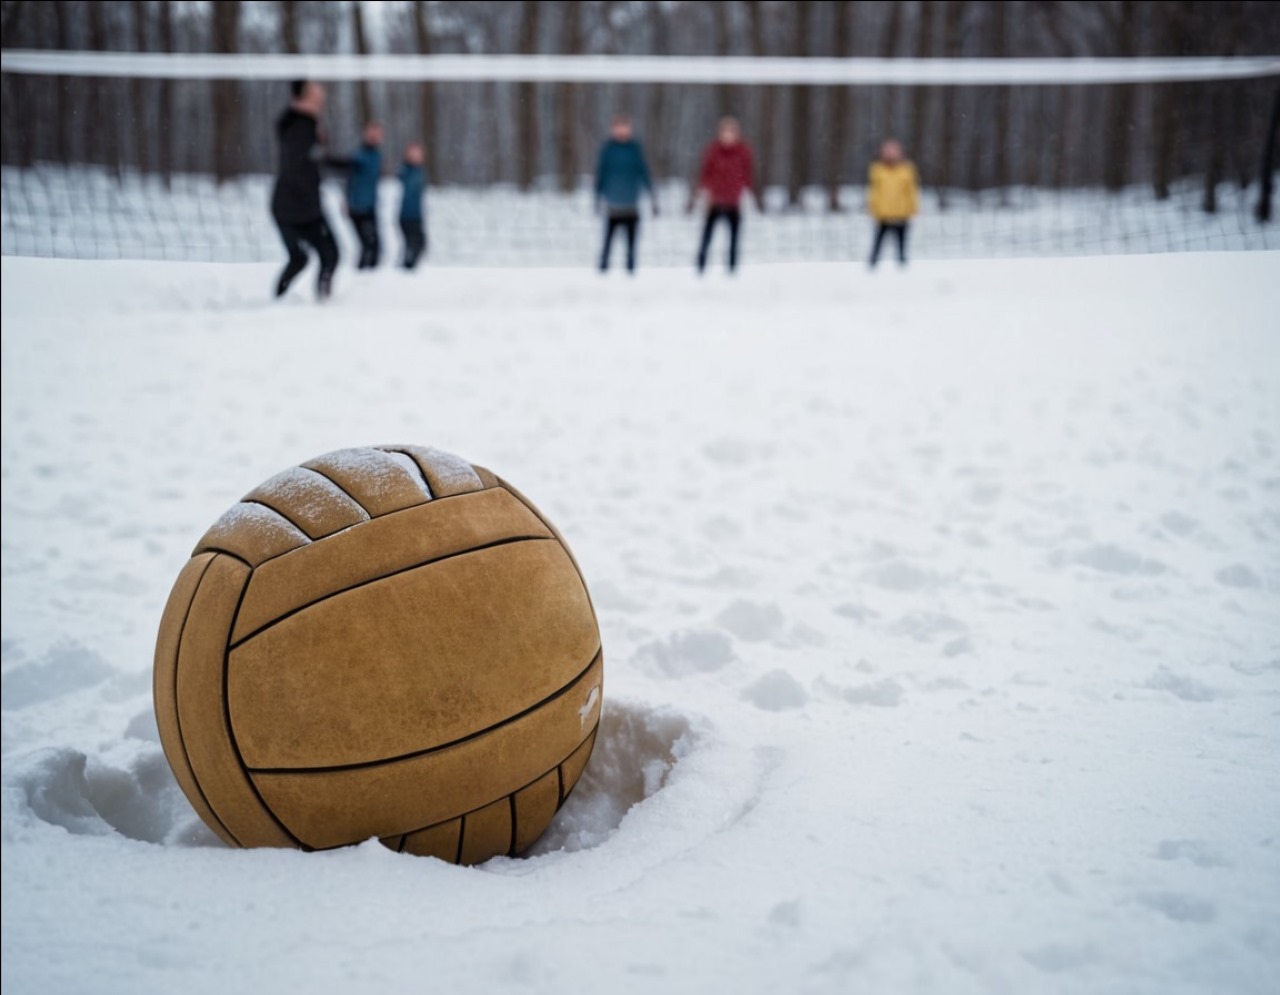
x=364, y=170
x=413, y=187
x=621, y=176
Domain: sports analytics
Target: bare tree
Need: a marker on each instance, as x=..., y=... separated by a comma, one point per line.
x=1121, y=18
x=889, y=46
x=63, y=87
x=838, y=130
x=427, y=90
x=568, y=101
x=952, y=41
x=164, y=116
x=921, y=95
x=720, y=39
x=1169, y=97
x=138, y=89
x=226, y=97
x=797, y=175
x=527, y=111
x=999, y=26
x=656, y=125
x=1228, y=25
x=766, y=140
x=363, y=96
x=289, y=26
x=1263, y=211
x=103, y=118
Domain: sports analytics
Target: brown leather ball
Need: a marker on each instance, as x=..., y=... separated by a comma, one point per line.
x=385, y=642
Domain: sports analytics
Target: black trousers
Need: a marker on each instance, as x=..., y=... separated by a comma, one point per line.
x=366, y=224
x=733, y=217
x=415, y=241
x=899, y=230
x=317, y=236
x=629, y=222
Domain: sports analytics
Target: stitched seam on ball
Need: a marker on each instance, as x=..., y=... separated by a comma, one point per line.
x=227, y=552
x=426, y=484
x=401, y=758
x=270, y=507
x=560, y=788
x=515, y=825
x=398, y=511
x=394, y=573
x=231, y=732
x=359, y=504
x=462, y=833
x=177, y=712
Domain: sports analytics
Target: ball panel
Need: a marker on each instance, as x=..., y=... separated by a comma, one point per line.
x=435, y=841
x=535, y=807
x=252, y=532
x=446, y=474
x=413, y=661
x=333, y=807
x=378, y=481
x=533, y=510
x=210, y=750
x=165, y=688
x=573, y=767
x=486, y=833
x=381, y=547
x=313, y=502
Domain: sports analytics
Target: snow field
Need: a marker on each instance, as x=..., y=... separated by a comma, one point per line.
x=938, y=609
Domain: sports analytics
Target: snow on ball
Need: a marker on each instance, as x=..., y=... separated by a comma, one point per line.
x=385, y=642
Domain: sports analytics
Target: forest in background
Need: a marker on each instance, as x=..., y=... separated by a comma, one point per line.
x=530, y=135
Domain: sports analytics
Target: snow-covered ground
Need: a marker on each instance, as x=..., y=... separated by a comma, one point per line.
x=89, y=214
x=940, y=609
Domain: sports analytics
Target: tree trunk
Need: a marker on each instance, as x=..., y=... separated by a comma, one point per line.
x=1120, y=118
x=426, y=91
x=164, y=117
x=720, y=33
x=765, y=140
x=364, y=98
x=98, y=120
x=138, y=93
x=527, y=111
x=921, y=96
x=798, y=173
x=889, y=47
x=952, y=25
x=66, y=100
x=838, y=132
x=226, y=95
x=656, y=124
x=1217, y=95
x=568, y=101
x=289, y=26
x=1000, y=50
x=1263, y=211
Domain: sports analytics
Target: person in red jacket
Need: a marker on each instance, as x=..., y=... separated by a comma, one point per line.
x=728, y=171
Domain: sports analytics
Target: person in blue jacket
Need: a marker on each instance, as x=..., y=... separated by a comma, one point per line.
x=413, y=185
x=621, y=176
x=364, y=170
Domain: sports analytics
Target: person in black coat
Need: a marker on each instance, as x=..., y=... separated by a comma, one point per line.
x=295, y=200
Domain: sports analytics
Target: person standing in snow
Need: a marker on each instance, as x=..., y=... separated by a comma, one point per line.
x=413, y=185
x=621, y=175
x=893, y=198
x=364, y=170
x=728, y=171
x=295, y=198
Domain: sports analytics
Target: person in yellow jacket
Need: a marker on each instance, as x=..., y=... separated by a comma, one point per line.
x=893, y=198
